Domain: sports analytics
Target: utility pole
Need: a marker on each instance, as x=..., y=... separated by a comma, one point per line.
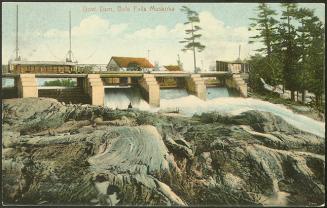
x=239, y=52
x=202, y=65
x=180, y=64
x=70, y=38
x=17, y=55
x=148, y=54
x=178, y=60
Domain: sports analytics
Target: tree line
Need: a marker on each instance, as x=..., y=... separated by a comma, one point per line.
x=293, y=50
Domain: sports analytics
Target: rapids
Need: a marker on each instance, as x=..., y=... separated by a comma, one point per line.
x=219, y=99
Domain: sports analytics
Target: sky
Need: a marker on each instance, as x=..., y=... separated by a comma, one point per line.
x=150, y=30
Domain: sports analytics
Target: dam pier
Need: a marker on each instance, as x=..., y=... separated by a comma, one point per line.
x=90, y=88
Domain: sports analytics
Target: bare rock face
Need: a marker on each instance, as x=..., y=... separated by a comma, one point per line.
x=87, y=155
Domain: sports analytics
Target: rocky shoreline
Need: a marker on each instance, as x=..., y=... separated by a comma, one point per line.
x=82, y=154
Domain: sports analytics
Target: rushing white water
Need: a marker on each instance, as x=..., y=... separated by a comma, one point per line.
x=120, y=98
x=189, y=105
x=216, y=92
x=166, y=94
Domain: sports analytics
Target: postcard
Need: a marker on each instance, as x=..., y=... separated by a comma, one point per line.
x=163, y=104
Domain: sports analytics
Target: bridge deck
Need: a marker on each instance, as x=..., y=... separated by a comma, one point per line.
x=114, y=74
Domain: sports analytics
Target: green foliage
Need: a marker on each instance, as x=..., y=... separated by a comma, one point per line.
x=191, y=41
x=316, y=66
x=289, y=48
x=265, y=25
x=268, y=66
x=293, y=52
x=259, y=65
x=61, y=82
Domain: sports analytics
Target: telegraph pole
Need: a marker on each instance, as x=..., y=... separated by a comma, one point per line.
x=70, y=38
x=239, y=52
x=178, y=60
x=70, y=35
x=202, y=65
x=17, y=56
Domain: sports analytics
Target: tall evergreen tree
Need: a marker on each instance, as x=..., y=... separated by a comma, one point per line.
x=316, y=58
x=306, y=19
x=266, y=26
x=289, y=48
x=191, y=41
x=295, y=46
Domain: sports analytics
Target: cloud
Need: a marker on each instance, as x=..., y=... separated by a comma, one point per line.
x=89, y=27
x=159, y=32
x=118, y=28
x=95, y=40
x=55, y=33
x=222, y=42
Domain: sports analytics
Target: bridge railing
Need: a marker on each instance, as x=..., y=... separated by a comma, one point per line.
x=60, y=75
x=10, y=75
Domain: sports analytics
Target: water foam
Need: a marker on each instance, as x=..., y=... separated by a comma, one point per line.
x=189, y=105
x=120, y=98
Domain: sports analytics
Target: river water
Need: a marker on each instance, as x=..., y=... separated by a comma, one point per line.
x=219, y=99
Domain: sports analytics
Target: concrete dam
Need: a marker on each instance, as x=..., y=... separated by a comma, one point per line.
x=151, y=87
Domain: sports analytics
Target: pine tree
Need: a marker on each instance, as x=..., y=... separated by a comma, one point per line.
x=266, y=26
x=191, y=42
x=316, y=57
x=289, y=48
x=306, y=19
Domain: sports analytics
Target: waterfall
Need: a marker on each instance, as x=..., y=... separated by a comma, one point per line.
x=167, y=94
x=217, y=92
x=120, y=98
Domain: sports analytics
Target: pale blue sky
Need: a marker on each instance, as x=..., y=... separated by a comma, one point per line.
x=37, y=19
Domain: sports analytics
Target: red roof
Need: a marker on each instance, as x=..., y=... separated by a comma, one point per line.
x=173, y=68
x=126, y=61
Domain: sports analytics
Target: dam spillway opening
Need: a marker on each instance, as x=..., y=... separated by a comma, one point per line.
x=53, y=83
x=173, y=93
x=221, y=92
x=8, y=88
x=8, y=82
x=65, y=90
x=119, y=97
